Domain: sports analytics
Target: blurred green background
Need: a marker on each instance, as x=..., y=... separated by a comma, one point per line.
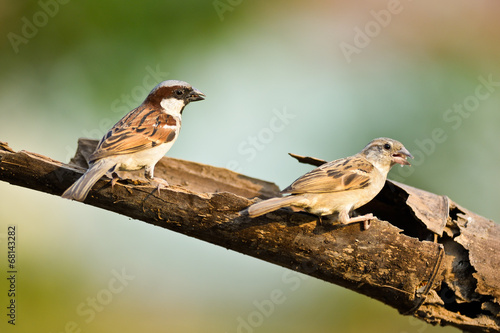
x=330, y=76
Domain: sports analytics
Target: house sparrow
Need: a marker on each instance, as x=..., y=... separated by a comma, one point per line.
x=340, y=186
x=141, y=138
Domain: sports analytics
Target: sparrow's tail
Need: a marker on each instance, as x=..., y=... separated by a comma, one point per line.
x=267, y=206
x=79, y=190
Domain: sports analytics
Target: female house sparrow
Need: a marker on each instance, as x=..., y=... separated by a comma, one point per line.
x=141, y=138
x=342, y=185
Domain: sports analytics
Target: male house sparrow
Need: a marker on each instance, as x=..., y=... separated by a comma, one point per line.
x=141, y=138
x=342, y=185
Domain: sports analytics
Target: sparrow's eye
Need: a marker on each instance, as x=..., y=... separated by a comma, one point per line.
x=387, y=146
x=179, y=92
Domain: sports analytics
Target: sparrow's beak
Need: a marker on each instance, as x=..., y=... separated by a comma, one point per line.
x=400, y=156
x=196, y=95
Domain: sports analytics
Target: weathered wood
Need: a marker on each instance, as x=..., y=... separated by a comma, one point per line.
x=449, y=282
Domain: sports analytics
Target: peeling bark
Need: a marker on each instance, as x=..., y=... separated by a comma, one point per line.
x=425, y=255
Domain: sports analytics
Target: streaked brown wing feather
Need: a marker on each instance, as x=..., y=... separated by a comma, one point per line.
x=140, y=129
x=340, y=175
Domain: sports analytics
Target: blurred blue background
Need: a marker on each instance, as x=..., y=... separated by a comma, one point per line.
x=317, y=78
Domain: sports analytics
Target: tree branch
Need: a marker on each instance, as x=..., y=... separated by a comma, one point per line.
x=425, y=256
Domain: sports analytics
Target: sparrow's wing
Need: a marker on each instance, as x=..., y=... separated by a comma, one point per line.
x=340, y=175
x=140, y=129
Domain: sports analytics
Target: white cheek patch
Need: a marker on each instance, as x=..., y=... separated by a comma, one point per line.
x=172, y=105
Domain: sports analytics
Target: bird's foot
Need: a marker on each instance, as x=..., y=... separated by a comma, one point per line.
x=365, y=219
x=114, y=179
x=160, y=184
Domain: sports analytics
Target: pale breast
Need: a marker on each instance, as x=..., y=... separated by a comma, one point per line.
x=141, y=159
